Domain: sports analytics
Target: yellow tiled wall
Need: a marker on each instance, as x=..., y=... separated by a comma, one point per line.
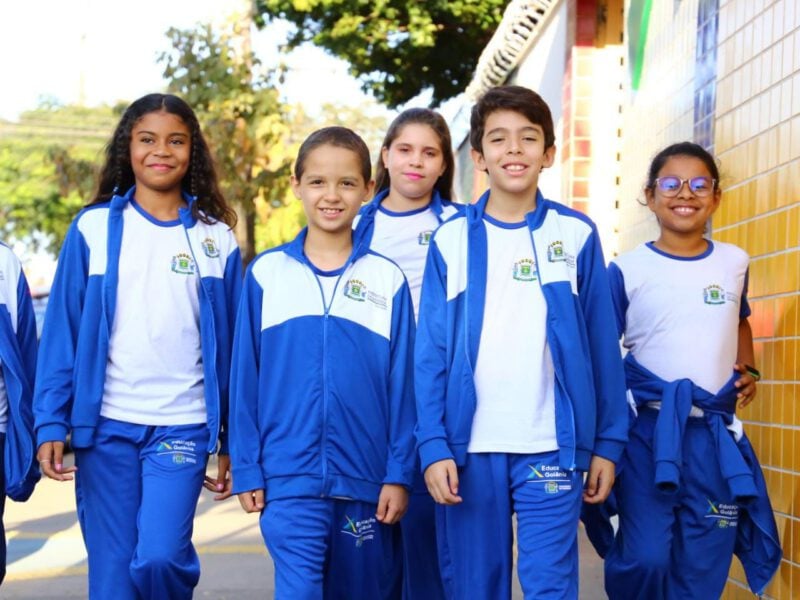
x=758, y=143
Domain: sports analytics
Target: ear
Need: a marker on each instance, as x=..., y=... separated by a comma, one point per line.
x=296, y=187
x=477, y=158
x=384, y=156
x=549, y=157
x=650, y=198
x=715, y=202
x=370, y=189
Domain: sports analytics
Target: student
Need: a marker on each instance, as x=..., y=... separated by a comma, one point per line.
x=414, y=182
x=322, y=411
x=681, y=306
x=518, y=377
x=19, y=471
x=135, y=352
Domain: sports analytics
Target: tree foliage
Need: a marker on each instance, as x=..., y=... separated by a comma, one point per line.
x=48, y=162
x=397, y=48
x=242, y=118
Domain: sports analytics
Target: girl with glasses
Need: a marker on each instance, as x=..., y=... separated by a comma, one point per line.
x=690, y=492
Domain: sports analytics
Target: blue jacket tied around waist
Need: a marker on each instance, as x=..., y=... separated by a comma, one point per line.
x=757, y=542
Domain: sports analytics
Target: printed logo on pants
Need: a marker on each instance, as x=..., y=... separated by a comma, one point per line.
x=725, y=515
x=182, y=451
x=362, y=531
x=553, y=479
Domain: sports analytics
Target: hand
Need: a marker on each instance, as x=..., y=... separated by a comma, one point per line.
x=746, y=384
x=441, y=478
x=392, y=503
x=51, y=461
x=600, y=480
x=252, y=501
x=222, y=484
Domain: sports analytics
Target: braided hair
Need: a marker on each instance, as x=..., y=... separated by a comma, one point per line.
x=116, y=175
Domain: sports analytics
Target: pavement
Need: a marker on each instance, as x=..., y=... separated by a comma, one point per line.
x=47, y=559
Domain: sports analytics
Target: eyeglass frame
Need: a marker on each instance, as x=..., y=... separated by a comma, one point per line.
x=666, y=194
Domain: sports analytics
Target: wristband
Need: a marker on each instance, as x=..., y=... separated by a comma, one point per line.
x=754, y=372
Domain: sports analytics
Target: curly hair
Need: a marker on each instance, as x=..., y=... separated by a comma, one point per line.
x=200, y=180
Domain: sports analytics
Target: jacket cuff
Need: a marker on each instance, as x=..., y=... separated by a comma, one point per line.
x=609, y=449
x=667, y=477
x=246, y=479
x=433, y=451
x=51, y=433
x=399, y=474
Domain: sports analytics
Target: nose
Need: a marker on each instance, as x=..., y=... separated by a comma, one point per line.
x=162, y=148
x=514, y=146
x=416, y=159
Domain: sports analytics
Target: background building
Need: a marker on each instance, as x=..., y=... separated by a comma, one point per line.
x=626, y=78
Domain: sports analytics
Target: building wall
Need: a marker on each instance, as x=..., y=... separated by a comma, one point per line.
x=757, y=141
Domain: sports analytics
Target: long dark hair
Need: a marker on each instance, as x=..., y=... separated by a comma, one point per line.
x=421, y=116
x=201, y=178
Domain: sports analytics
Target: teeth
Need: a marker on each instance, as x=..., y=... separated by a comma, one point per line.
x=514, y=167
x=684, y=210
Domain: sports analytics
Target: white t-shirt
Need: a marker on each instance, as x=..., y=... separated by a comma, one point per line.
x=514, y=375
x=682, y=314
x=404, y=237
x=154, y=374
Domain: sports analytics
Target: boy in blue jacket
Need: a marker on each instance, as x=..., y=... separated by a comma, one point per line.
x=322, y=412
x=519, y=381
x=19, y=470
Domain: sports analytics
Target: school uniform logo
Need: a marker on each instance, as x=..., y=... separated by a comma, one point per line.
x=552, y=479
x=210, y=248
x=355, y=290
x=362, y=531
x=182, y=263
x=181, y=452
x=555, y=252
x=524, y=270
x=725, y=515
x=424, y=238
x=714, y=294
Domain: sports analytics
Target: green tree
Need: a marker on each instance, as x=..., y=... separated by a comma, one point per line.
x=397, y=48
x=48, y=162
x=242, y=117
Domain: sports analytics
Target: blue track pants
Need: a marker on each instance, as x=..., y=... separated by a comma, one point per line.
x=476, y=537
x=137, y=489
x=421, y=577
x=332, y=549
x=676, y=546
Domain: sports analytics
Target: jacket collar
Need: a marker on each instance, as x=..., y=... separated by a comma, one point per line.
x=185, y=213
x=295, y=248
x=534, y=218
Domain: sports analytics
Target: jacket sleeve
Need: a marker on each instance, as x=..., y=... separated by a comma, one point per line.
x=244, y=435
x=53, y=394
x=618, y=297
x=402, y=413
x=26, y=330
x=430, y=362
x=232, y=279
x=609, y=378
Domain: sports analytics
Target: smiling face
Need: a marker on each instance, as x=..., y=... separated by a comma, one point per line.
x=684, y=215
x=513, y=155
x=331, y=188
x=160, y=149
x=414, y=161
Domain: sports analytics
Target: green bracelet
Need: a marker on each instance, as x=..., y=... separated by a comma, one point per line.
x=754, y=372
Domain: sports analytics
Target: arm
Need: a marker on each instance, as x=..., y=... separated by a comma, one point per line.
x=745, y=354
x=603, y=329
x=430, y=382
x=52, y=400
x=245, y=444
x=26, y=333
x=402, y=414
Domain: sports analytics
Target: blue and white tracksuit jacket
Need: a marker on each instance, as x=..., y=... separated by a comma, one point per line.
x=590, y=404
x=74, y=346
x=321, y=392
x=18, y=363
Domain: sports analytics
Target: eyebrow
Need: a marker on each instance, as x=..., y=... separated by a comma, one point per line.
x=534, y=128
x=174, y=133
